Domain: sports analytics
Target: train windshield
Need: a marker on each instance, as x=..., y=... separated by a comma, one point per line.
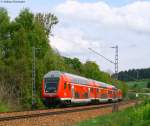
x=51, y=85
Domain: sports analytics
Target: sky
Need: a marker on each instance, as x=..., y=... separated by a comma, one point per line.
x=97, y=24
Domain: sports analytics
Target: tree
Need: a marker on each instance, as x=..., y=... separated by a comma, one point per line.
x=16, y=70
x=4, y=24
x=134, y=74
x=47, y=20
x=91, y=70
x=74, y=63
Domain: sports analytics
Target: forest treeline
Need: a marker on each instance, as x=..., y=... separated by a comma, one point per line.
x=17, y=38
x=134, y=74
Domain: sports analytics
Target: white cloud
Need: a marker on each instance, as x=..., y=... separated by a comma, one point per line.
x=71, y=40
x=134, y=16
x=98, y=25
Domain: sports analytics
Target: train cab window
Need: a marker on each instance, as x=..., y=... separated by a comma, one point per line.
x=51, y=85
x=65, y=85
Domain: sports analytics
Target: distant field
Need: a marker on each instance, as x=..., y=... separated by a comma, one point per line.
x=138, y=84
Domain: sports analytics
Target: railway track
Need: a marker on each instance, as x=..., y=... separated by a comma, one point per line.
x=68, y=110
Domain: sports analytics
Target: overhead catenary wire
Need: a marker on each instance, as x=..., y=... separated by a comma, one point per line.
x=116, y=59
x=101, y=55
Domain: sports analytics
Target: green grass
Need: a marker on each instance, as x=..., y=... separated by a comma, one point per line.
x=138, y=83
x=134, y=116
x=4, y=107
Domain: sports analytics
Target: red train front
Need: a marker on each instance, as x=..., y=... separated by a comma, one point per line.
x=65, y=88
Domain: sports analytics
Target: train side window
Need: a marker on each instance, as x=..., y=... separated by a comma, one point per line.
x=91, y=89
x=109, y=92
x=69, y=86
x=77, y=95
x=65, y=85
x=97, y=90
x=86, y=95
x=104, y=96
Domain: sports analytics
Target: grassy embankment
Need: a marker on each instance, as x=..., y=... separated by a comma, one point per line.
x=134, y=116
x=138, y=84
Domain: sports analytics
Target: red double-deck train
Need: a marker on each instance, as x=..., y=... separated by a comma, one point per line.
x=66, y=88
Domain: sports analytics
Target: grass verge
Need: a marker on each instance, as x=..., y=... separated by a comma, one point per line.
x=134, y=116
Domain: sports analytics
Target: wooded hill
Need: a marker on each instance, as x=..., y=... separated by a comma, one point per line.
x=134, y=74
x=17, y=37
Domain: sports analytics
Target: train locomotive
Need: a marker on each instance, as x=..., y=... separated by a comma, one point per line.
x=65, y=88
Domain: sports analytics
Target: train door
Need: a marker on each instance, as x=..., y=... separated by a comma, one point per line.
x=100, y=92
x=72, y=90
x=88, y=92
x=114, y=95
x=97, y=93
x=92, y=93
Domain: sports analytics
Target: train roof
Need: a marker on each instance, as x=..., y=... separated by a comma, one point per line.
x=102, y=84
x=53, y=74
x=77, y=79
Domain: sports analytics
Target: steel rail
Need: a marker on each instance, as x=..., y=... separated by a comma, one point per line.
x=7, y=118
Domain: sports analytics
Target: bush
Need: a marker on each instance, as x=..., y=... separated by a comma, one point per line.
x=148, y=84
x=4, y=107
x=132, y=95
